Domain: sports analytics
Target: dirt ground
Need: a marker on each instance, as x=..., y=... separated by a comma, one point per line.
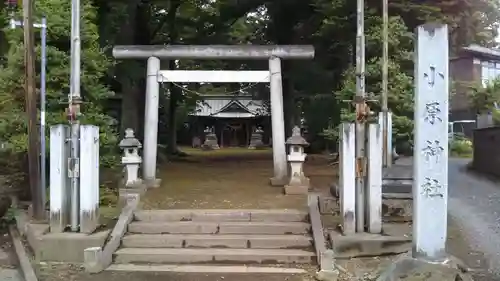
x=59, y=272
x=230, y=178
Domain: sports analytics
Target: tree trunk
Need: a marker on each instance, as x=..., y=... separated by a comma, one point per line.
x=175, y=92
x=129, y=108
x=131, y=91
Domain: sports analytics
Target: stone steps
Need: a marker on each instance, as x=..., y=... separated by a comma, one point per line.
x=211, y=255
x=212, y=238
x=217, y=241
x=212, y=268
x=219, y=215
x=198, y=227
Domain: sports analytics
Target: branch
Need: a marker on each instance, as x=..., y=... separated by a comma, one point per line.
x=228, y=14
x=169, y=17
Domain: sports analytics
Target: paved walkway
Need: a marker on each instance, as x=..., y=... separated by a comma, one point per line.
x=474, y=204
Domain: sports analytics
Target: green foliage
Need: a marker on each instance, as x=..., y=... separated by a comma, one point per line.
x=13, y=120
x=400, y=86
x=460, y=146
x=496, y=117
x=483, y=99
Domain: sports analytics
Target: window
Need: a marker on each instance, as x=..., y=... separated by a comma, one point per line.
x=489, y=71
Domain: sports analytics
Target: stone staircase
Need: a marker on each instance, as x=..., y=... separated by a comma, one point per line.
x=217, y=237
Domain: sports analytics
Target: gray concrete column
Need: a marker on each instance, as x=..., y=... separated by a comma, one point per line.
x=278, y=123
x=151, y=121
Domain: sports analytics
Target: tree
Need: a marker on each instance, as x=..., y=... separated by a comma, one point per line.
x=400, y=87
x=484, y=99
x=13, y=120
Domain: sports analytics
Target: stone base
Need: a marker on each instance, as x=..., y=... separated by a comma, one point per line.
x=152, y=183
x=206, y=147
x=407, y=268
x=278, y=181
x=395, y=207
x=124, y=194
x=296, y=189
x=256, y=145
x=61, y=247
x=210, y=142
x=367, y=244
x=327, y=275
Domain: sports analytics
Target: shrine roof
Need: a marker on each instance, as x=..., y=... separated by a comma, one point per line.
x=493, y=53
x=230, y=107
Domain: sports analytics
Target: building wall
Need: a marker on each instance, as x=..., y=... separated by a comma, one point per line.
x=461, y=72
x=486, y=155
x=466, y=70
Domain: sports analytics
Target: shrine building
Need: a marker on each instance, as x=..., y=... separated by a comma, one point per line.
x=231, y=118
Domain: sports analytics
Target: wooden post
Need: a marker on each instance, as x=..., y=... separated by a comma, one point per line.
x=31, y=111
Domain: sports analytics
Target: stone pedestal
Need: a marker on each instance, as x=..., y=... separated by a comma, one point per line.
x=298, y=183
x=211, y=141
x=256, y=139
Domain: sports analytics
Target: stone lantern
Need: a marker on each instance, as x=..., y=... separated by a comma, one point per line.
x=256, y=139
x=131, y=158
x=211, y=141
x=299, y=183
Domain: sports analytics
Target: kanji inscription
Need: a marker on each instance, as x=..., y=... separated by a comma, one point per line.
x=432, y=188
x=433, y=149
x=433, y=112
x=431, y=75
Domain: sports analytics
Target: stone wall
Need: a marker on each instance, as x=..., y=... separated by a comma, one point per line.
x=486, y=151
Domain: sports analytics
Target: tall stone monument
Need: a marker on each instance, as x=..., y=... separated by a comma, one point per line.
x=430, y=195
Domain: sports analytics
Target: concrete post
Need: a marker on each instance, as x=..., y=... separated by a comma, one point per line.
x=89, y=178
x=348, y=177
x=387, y=141
x=278, y=123
x=374, y=180
x=151, y=122
x=430, y=186
x=59, y=181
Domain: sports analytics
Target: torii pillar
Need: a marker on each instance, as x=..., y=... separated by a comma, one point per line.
x=273, y=54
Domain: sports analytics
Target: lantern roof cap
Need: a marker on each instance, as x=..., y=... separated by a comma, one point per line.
x=296, y=138
x=129, y=141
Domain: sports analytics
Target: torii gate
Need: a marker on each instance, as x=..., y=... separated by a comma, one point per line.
x=206, y=52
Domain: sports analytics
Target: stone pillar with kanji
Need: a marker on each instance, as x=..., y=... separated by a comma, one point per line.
x=131, y=161
x=298, y=183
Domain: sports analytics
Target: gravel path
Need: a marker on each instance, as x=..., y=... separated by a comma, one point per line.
x=474, y=204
